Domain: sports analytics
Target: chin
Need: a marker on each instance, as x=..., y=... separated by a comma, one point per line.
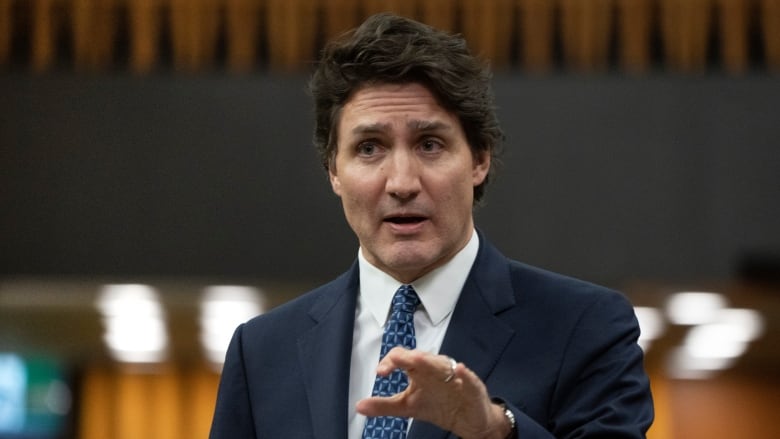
x=410, y=263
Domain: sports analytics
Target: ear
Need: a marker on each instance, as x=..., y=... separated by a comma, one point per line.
x=335, y=183
x=481, y=167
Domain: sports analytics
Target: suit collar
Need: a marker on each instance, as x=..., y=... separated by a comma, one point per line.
x=438, y=290
x=476, y=335
x=324, y=353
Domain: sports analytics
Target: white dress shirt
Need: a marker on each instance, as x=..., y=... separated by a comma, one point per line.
x=438, y=291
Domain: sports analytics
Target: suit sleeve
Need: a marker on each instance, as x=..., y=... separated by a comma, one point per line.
x=233, y=413
x=602, y=388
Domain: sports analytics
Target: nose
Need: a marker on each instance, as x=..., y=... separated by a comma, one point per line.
x=403, y=174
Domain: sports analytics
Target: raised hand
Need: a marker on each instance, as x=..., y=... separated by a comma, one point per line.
x=442, y=392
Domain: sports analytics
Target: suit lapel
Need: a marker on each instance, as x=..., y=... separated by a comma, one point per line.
x=325, y=352
x=476, y=336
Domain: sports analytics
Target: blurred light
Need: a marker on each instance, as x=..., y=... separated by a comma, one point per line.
x=714, y=340
x=727, y=336
x=716, y=345
x=58, y=398
x=35, y=398
x=682, y=365
x=222, y=309
x=13, y=393
x=694, y=308
x=651, y=325
x=134, y=323
x=747, y=324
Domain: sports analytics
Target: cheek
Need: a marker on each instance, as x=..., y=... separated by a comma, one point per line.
x=452, y=198
x=460, y=186
x=360, y=188
x=355, y=201
x=359, y=215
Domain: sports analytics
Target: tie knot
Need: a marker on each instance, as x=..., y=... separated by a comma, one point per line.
x=405, y=299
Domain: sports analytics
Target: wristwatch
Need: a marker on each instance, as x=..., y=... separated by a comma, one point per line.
x=512, y=423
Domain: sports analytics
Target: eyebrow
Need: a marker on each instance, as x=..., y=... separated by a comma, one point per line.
x=415, y=124
x=370, y=128
x=429, y=125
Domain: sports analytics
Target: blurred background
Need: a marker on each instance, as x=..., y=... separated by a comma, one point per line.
x=158, y=186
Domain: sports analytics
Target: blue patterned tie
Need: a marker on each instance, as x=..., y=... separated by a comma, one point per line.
x=399, y=331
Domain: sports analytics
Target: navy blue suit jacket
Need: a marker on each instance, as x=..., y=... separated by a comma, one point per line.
x=560, y=352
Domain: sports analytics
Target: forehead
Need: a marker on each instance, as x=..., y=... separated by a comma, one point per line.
x=384, y=103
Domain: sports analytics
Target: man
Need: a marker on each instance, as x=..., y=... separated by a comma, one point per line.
x=475, y=345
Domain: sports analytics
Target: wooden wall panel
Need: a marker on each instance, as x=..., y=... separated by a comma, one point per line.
x=292, y=33
x=194, y=27
x=44, y=26
x=164, y=408
x=172, y=403
x=6, y=30
x=634, y=28
x=441, y=14
x=733, y=20
x=536, y=33
x=406, y=8
x=340, y=16
x=246, y=35
x=144, y=18
x=487, y=26
x=685, y=28
x=131, y=406
x=770, y=31
x=96, y=420
x=93, y=29
x=160, y=403
x=586, y=27
x=242, y=26
x=662, y=426
x=201, y=396
x=725, y=408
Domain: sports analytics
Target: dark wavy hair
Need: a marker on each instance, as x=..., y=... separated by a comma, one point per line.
x=390, y=49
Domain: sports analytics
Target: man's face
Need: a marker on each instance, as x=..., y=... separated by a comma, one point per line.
x=406, y=177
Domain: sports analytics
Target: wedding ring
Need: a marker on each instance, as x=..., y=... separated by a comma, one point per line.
x=453, y=365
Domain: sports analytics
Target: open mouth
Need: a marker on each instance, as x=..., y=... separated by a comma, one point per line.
x=405, y=219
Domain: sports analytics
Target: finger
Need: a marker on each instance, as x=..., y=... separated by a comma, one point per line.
x=439, y=369
x=401, y=358
x=452, y=373
x=383, y=406
x=418, y=363
x=394, y=359
x=470, y=379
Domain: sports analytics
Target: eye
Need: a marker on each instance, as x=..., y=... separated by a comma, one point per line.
x=367, y=148
x=431, y=145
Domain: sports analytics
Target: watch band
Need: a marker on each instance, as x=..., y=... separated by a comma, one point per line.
x=512, y=422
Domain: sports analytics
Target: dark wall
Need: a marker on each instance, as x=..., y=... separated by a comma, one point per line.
x=606, y=178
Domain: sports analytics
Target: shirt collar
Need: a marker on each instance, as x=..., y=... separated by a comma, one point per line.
x=438, y=290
